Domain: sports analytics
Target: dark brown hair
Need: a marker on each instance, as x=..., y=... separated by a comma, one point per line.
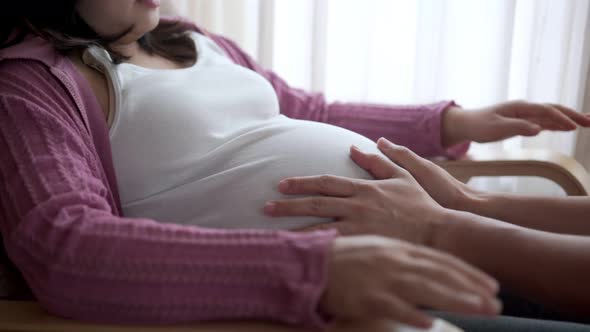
x=58, y=22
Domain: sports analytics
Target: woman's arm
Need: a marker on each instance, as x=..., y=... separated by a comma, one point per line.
x=83, y=262
x=527, y=257
x=566, y=215
x=549, y=268
x=431, y=130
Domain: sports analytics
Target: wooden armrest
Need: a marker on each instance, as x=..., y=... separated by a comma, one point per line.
x=20, y=316
x=554, y=166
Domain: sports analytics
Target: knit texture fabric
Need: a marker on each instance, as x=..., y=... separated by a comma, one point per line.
x=60, y=211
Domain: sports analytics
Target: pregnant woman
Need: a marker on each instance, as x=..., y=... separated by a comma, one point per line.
x=118, y=128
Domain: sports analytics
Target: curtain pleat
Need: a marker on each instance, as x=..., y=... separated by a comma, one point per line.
x=477, y=52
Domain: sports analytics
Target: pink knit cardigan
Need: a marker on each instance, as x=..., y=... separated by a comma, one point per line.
x=61, y=222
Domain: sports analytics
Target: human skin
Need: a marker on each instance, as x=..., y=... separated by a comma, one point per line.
x=505, y=120
x=438, y=277
x=394, y=286
x=539, y=249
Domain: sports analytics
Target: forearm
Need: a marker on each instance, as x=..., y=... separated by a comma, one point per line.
x=83, y=261
x=417, y=127
x=552, y=269
x=567, y=215
x=100, y=268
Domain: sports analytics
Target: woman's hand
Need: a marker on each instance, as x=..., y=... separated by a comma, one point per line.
x=371, y=277
x=395, y=206
x=507, y=120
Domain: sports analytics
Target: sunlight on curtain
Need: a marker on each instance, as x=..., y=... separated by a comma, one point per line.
x=236, y=19
x=476, y=52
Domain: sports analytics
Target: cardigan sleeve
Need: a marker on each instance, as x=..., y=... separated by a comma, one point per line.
x=85, y=263
x=416, y=126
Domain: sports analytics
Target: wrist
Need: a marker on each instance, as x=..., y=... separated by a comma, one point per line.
x=440, y=231
x=434, y=227
x=481, y=203
x=469, y=199
x=453, y=227
x=453, y=127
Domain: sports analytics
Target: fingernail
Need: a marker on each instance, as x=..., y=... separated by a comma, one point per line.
x=284, y=186
x=354, y=147
x=270, y=208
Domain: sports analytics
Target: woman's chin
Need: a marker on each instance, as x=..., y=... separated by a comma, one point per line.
x=148, y=23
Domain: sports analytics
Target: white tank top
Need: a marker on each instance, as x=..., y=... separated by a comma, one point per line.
x=206, y=145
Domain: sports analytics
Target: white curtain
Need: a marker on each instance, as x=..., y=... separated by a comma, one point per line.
x=476, y=52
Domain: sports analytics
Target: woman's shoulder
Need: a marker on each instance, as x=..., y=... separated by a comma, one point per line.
x=32, y=86
x=15, y=72
x=35, y=71
x=32, y=48
x=33, y=82
x=30, y=67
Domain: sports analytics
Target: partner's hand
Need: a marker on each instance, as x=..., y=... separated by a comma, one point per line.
x=395, y=206
x=371, y=277
x=438, y=183
x=505, y=120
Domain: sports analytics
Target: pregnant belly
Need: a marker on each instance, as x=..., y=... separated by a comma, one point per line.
x=229, y=186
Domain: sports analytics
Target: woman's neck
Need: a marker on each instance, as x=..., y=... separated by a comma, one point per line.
x=129, y=50
x=140, y=57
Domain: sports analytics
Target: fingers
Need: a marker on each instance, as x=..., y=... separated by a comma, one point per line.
x=477, y=277
x=547, y=116
x=472, y=297
x=401, y=155
x=391, y=307
x=434, y=294
x=328, y=185
x=329, y=207
x=459, y=286
x=515, y=127
x=579, y=118
x=449, y=276
x=558, y=117
x=377, y=165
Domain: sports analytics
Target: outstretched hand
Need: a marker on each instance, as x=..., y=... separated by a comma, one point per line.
x=506, y=120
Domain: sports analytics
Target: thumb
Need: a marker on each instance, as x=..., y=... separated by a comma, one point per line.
x=516, y=127
x=378, y=166
x=402, y=156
